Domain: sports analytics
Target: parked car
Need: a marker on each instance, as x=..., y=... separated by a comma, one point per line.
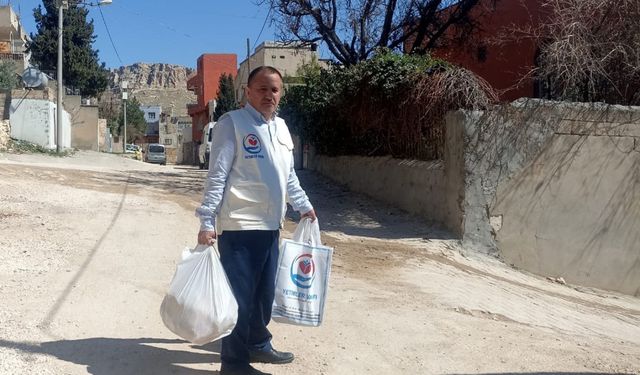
x=130, y=148
x=205, y=146
x=156, y=153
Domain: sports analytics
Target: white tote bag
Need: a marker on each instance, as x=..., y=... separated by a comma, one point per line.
x=302, y=278
x=199, y=305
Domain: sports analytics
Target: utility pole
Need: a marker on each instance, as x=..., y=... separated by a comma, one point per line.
x=62, y=4
x=248, y=69
x=248, y=58
x=125, y=95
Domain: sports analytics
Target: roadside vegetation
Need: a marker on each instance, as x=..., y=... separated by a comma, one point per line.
x=391, y=104
x=82, y=68
x=590, y=51
x=17, y=146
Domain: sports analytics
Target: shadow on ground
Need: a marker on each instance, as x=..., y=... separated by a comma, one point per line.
x=339, y=209
x=142, y=356
x=355, y=214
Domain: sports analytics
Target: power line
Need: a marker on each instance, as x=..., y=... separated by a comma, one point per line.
x=109, y=33
x=170, y=28
x=262, y=29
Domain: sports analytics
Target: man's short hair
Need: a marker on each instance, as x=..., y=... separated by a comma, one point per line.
x=268, y=69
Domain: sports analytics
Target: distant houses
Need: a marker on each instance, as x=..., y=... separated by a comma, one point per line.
x=287, y=58
x=204, y=83
x=13, y=39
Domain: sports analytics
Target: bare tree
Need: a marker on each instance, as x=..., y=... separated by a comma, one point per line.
x=591, y=51
x=354, y=29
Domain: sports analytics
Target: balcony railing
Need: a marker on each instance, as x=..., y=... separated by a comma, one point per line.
x=6, y=56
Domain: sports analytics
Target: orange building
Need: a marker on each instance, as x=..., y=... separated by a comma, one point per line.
x=205, y=85
x=501, y=50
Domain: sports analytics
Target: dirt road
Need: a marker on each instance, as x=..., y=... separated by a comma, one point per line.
x=88, y=245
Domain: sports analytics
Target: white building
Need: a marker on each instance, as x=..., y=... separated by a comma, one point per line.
x=152, y=114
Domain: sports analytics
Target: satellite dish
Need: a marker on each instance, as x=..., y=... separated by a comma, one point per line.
x=34, y=79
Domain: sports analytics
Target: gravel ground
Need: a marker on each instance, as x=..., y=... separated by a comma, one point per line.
x=89, y=243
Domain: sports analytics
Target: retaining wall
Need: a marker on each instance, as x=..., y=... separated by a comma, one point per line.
x=550, y=187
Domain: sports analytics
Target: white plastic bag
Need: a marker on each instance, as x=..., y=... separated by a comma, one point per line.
x=302, y=278
x=199, y=305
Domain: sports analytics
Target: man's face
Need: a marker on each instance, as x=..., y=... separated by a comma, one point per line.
x=264, y=93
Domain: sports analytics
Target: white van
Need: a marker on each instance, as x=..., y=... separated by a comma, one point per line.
x=205, y=146
x=156, y=153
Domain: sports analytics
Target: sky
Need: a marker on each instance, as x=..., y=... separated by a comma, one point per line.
x=173, y=32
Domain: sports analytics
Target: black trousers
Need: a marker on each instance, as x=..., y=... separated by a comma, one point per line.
x=250, y=259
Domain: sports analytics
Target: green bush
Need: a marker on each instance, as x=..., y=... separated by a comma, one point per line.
x=367, y=109
x=8, y=77
x=17, y=146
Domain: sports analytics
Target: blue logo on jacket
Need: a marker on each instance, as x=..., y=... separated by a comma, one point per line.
x=252, y=144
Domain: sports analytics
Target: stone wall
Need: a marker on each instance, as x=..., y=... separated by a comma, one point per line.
x=4, y=134
x=550, y=187
x=415, y=186
x=5, y=104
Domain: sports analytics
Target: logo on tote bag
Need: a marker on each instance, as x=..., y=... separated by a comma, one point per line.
x=303, y=271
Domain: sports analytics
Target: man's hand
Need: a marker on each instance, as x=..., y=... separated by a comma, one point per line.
x=207, y=237
x=310, y=214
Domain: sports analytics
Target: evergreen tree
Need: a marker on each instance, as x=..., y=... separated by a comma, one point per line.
x=226, y=100
x=136, y=125
x=8, y=77
x=81, y=68
x=109, y=108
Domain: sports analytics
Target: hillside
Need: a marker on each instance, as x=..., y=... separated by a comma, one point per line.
x=151, y=84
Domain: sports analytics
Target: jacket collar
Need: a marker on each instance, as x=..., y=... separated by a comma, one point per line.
x=257, y=115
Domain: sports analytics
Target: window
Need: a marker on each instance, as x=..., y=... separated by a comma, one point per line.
x=167, y=141
x=282, y=57
x=152, y=115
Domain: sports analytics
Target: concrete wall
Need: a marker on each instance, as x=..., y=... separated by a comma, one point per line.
x=185, y=153
x=552, y=188
x=488, y=149
x=85, y=131
x=104, y=136
x=415, y=186
x=172, y=146
x=555, y=188
x=116, y=145
x=33, y=120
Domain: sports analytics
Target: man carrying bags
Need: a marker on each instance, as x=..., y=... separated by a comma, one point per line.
x=250, y=176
